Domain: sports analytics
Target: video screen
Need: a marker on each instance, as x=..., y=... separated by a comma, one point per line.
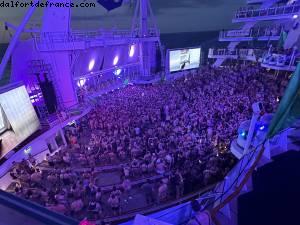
x=184, y=59
x=18, y=119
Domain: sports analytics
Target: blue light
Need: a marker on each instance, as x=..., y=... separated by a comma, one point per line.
x=27, y=150
x=243, y=134
x=262, y=127
x=118, y=72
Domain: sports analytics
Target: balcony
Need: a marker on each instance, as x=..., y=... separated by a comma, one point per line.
x=274, y=13
x=256, y=33
x=222, y=53
x=285, y=61
x=80, y=40
x=238, y=54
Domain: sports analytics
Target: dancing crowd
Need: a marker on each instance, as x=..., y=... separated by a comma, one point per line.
x=166, y=140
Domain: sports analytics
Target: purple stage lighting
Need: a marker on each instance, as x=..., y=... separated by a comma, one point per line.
x=118, y=72
x=132, y=51
x=81, y=82
x=91, y=64
x=116, y=60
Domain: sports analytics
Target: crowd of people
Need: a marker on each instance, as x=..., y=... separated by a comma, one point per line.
x=174, y=137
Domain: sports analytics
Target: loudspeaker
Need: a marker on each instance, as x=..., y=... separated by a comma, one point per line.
x=158, y=60
x=49, y=96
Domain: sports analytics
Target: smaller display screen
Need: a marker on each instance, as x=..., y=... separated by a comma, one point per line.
x=184, y=59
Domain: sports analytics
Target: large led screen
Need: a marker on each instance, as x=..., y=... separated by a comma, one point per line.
x=18, y=119
x=184, y=59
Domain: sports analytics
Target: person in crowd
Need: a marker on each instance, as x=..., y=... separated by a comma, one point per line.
x=168, y=138
x=114, y=202
x=148, y=190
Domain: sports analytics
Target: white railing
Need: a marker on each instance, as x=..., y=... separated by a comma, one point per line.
x=74, y=36
x=221, y=52
x=284, y=60
x=274, y=11
x=243, y=54
x=255, y=32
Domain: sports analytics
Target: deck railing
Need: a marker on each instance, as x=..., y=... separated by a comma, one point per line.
x=253, y=33
x=273, y=11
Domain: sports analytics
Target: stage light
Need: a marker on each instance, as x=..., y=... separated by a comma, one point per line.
x=131, y=51
x=295, y=16
x=262, y=127
x=81, y=82
x=91, y=64
x=116, y=60
x=117, y=72
x=27, y=150
x=243, y=134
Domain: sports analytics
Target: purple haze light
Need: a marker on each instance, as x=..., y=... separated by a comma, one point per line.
x=91, y=64
x=81, y=82
x=117, y=72
x=116, y=60
x=132, y=51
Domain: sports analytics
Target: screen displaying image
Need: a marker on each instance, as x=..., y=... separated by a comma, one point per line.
x=18, y=119
x=184, y=59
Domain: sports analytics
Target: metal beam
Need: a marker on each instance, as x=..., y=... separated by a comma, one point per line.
x=15, y=38
x=25, y=30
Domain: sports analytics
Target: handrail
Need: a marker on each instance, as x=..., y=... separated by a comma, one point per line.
x=241, y=171
x=78, y=35
x=280, y=10
x=252, y=33
x=239, y=186
x=34, y=210
x=235, y=53
x=280, y=59
x=152, y=210
x=215, y=210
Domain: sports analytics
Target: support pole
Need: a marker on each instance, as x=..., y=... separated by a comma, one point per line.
x=251, y=131
x=15, y=38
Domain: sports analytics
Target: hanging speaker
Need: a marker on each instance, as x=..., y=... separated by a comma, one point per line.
x=49, y=96
x=110, y=4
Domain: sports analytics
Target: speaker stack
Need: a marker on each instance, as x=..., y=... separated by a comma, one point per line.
x=48, y=93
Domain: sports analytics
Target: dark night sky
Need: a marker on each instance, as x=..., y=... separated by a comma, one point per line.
x=171, y=15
